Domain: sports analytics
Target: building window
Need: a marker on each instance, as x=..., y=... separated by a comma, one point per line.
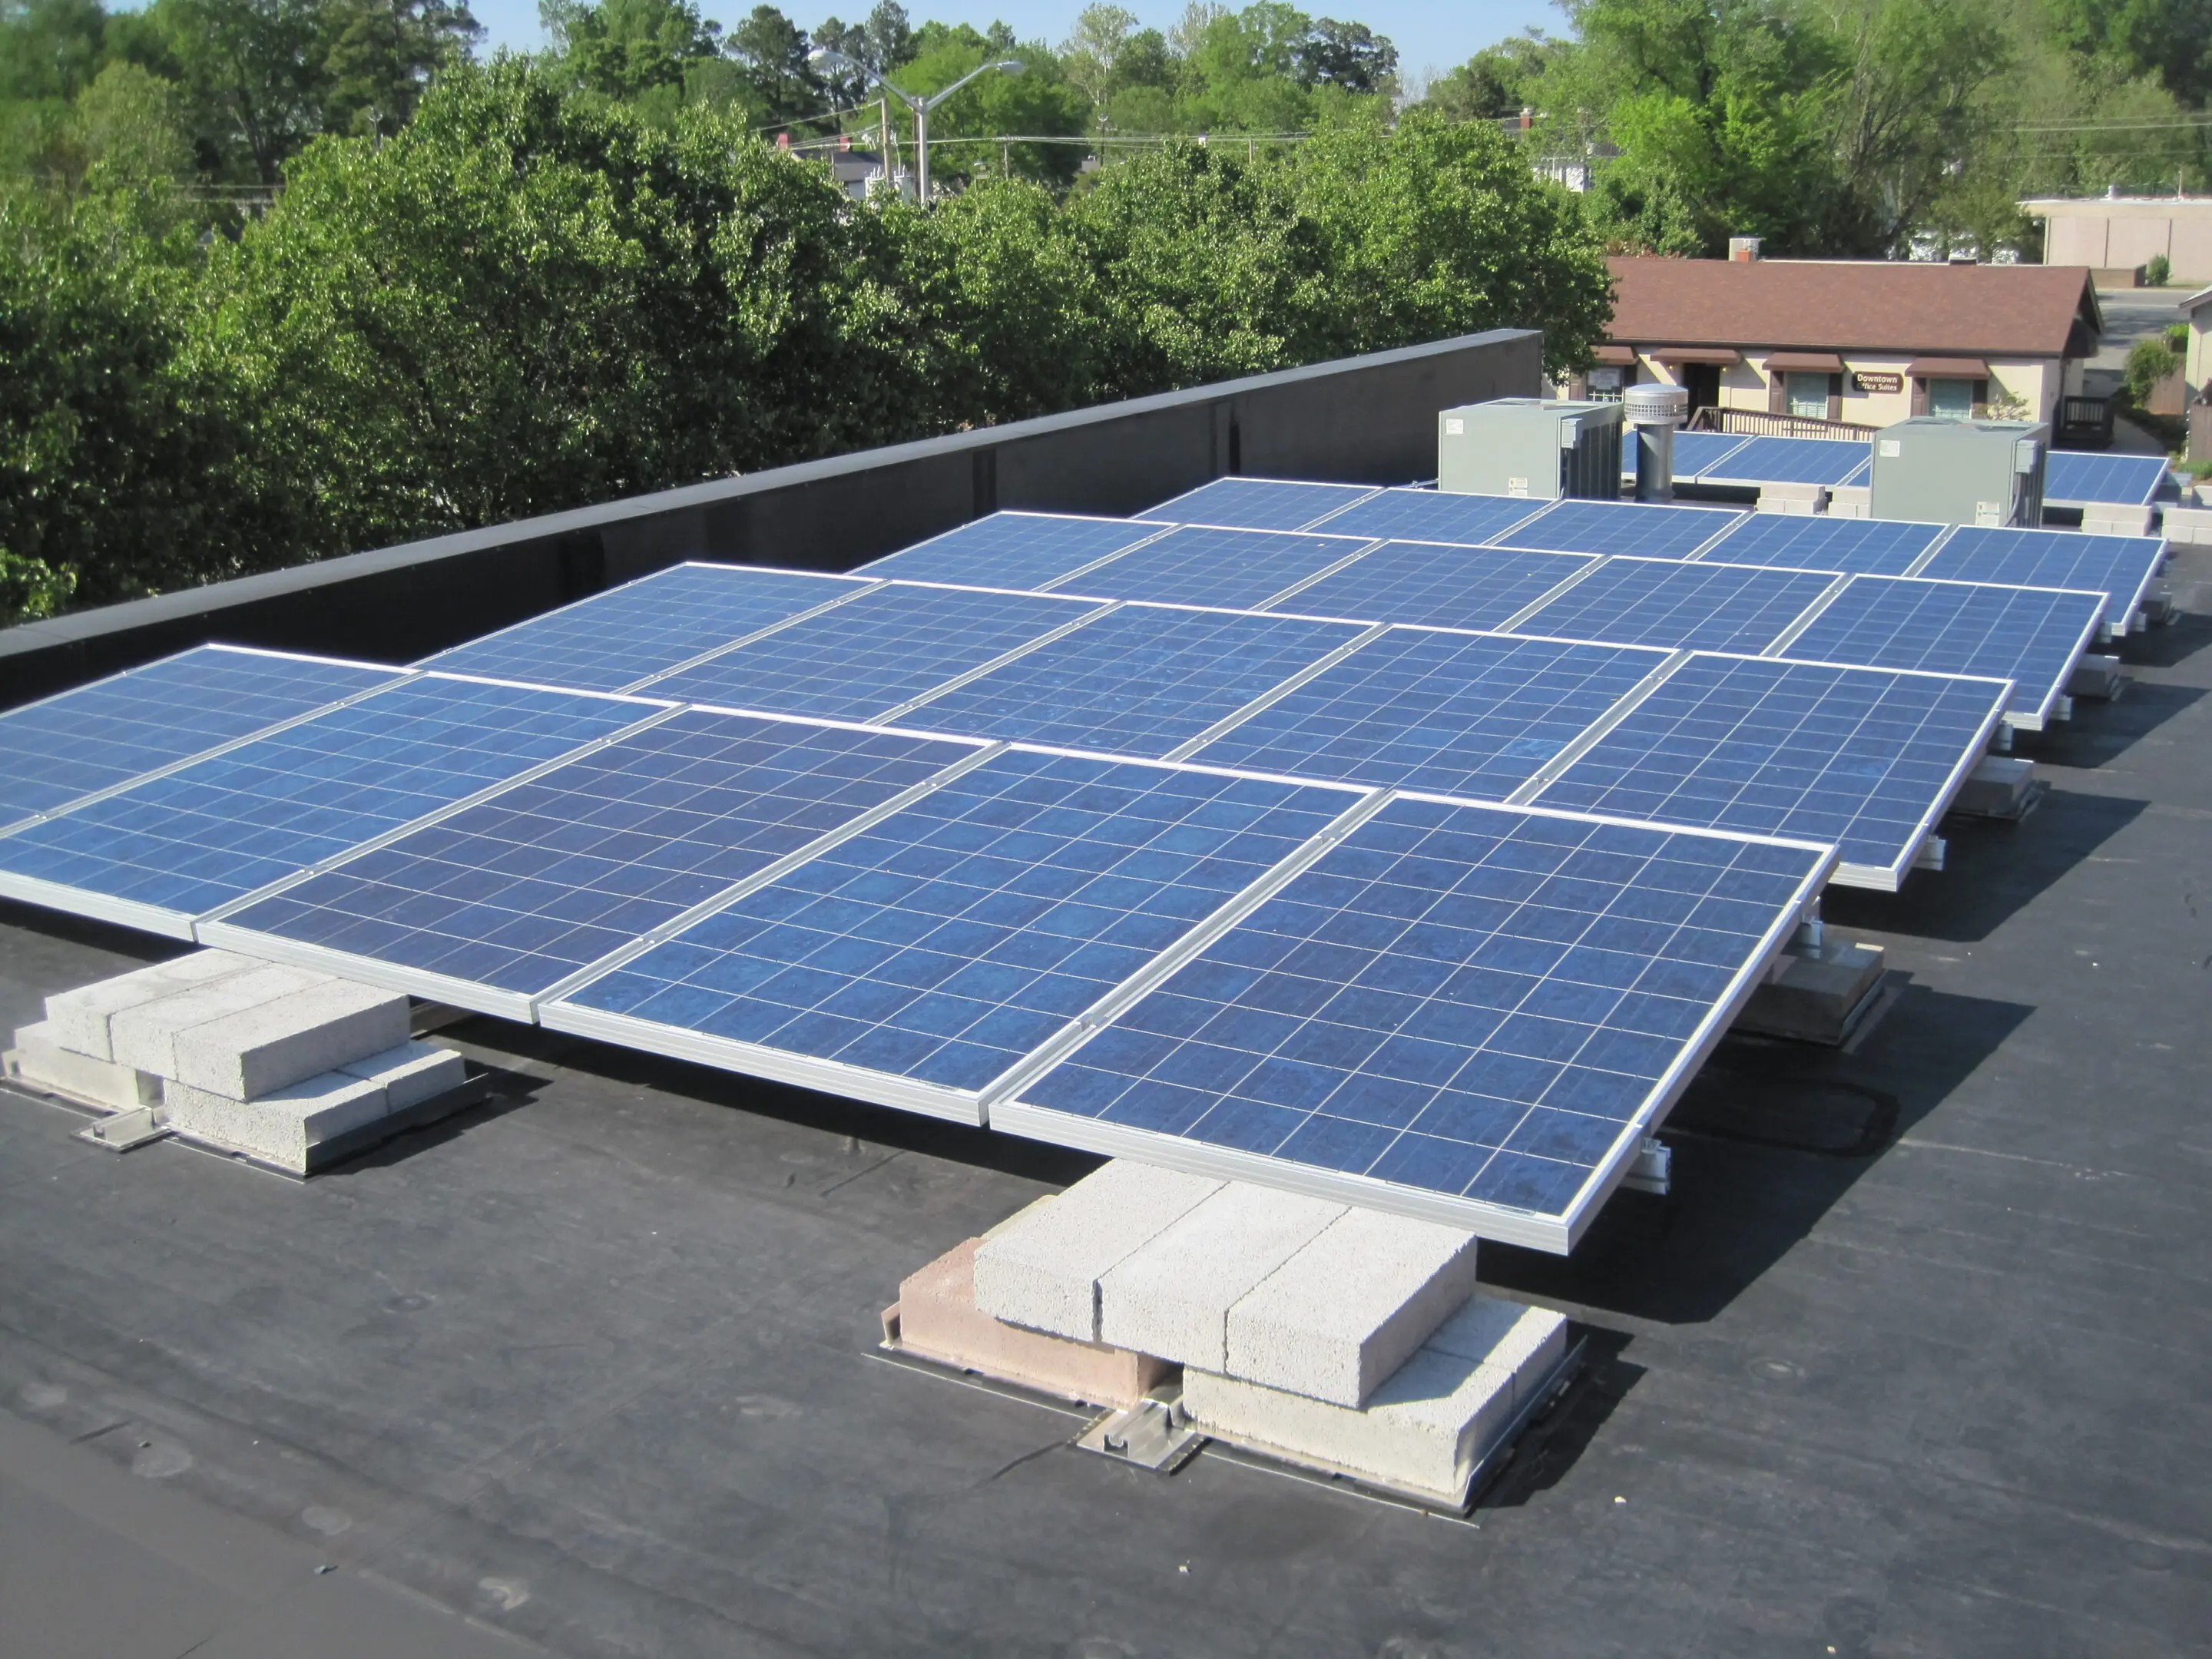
x=1605, y=384
x=1807, y=395
x=1952, y=397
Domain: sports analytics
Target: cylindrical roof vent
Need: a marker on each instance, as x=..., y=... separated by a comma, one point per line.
x=1653, y=404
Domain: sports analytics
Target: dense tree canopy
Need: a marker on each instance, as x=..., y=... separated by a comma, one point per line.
x=569, y=279
x=285, y=278
x=1854, y=127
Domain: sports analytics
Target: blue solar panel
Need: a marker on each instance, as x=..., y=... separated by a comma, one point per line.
x=1872, y=547
x=223, y=826
x=1442, y=587
x=874, y=653
x=1647, y=529
x=2118, y=566
x=1459, y=1001
x=1791, y=460
x=616, y=639
x=947, y=942
x=108, y=733
x=1141, y=681
x=1233, y=570
x=1451, y=713
x=1257, y=503
x=2125, y=480
x=1013, y=549
x=1695, y=452
x=1861, y=758
x=521, y=890
x=1430, y=515
x=2029, y=635
x=1698, y=607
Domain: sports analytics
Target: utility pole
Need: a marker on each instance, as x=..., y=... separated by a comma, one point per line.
x=825, y=58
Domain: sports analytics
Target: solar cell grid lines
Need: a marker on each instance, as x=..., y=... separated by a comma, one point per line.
x=1792, y=460
x=936, y=949
x=611, y=640
x=1430, y=515
x=873, y=654
x=1478, y=1008
x=1141, y=680
x=108, y=733
x=1697, y=607
x=1647, y=529
x=521, y=890
x=179, y=845
x=1258, y=503
x=2127, y=480
x=1454, y=713
x=1232, y=569
x=2032, y=636
x=1013, y=549
x=1864, y=758
x=1442, y=587
x=1879, y=547
x=2118, y=566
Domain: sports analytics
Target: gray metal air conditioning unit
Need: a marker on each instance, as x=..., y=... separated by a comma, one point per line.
x=1538, y=447
x=1933, y=469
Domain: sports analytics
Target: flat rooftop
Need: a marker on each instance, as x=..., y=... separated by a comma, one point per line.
x=1911, y=1361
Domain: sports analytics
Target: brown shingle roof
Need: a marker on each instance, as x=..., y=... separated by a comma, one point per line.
x=2023, y=310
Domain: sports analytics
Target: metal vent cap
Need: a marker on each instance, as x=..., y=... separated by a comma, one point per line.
x=1656, y=405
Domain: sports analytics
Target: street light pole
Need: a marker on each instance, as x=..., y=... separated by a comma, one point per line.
x=825, y=58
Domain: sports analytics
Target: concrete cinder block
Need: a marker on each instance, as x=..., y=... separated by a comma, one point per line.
x=38, y=1059
x=281, y=1127
x=2189, y=525
x=1814, y=992
x=257, y=1050
x=2112, y=519
x=1171, y=1296
x=1799, y=500
x=938, y=1319
x=411, y=1074
x=79, y=1018
x=1042, y=1269
x=1345, y=1312
x=1426, y=1427
x=145, y=1036
x=1851, y=502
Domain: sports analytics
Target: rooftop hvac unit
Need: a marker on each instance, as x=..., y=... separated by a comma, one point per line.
x=1533, y=446
x=1933, y=469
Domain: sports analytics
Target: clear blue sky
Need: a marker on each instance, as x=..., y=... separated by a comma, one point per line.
x=1430, y=34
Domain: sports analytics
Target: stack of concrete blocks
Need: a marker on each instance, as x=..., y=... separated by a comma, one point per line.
x=1304, y=1328
x=2117, y=518
x=1851, y=502
x=1799, y=500
x=281, y=1065
x=2189, y=526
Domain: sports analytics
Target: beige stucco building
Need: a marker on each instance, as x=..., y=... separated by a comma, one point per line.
x=1864, y=341
x=2119, y=232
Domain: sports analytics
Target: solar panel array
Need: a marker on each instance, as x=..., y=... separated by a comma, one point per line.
x=1407, y=848
x=2070, y=478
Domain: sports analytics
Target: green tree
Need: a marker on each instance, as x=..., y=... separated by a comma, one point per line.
x=1440, y=229
x=118, y=453
x=1039, y=100
x=774, y=51
x=1205, y=267
x=525, y=302
x=380, y=55
x=1498, y=82
x=2171, y=40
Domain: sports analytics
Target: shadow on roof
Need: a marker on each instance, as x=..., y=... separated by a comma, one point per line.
x=1769, y=1137
x=1992, y=870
